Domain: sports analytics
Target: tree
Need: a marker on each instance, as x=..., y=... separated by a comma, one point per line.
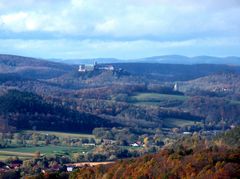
x=146, y=141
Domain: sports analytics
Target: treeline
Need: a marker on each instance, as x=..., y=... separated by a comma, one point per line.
x=185, y=163
x=230, y=138
x=218, y=112
x=190, y=157
x=10, y=77
x=26, y=110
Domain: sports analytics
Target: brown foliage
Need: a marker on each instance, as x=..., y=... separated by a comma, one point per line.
x=204, y=163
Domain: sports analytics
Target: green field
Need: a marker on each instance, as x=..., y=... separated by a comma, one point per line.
x=234, y=102
x=155, y=98
x=46, y=150
x=5, y=154
x=6, y=151
x=28, y=152
x=61, y=134
x=172, y=122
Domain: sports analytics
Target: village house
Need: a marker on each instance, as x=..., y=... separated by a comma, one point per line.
x=134, y=145
x=137, y=144
x=89, y=144
x=108, y=142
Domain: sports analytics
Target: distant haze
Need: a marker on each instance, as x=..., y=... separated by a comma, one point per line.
x=126, y=29
x=167, y=59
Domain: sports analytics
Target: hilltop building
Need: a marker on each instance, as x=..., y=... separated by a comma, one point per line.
x=87, y=67
x=82, y=68
x=106, y=67
x=95, y=66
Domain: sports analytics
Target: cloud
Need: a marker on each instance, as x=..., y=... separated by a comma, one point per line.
x=128, y=19
x=107, y=26
x=161, y=24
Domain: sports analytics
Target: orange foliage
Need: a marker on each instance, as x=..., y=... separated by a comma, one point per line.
x=205, y=163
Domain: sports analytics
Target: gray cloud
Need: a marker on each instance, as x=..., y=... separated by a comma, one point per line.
x=123, y=24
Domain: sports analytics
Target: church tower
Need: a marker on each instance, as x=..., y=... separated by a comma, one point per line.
x=176, y=87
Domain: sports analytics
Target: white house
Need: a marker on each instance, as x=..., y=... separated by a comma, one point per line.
x=134, y=145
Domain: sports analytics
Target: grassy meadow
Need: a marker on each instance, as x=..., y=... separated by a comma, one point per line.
x=156, y=99
x=173, y=122
x=61, y=134
x=29, y=150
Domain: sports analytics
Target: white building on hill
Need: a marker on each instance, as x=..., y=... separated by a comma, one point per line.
x=95, y=66
x=176, y=87
x=82, y=68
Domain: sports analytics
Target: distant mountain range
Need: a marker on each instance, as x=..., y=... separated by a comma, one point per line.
x=163, y=68
x=166, y=59
x=170, y=59
x=90, y=61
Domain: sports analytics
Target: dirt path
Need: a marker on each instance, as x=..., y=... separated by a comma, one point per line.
x=91, y=164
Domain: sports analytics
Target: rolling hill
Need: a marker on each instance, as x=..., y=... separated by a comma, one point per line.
x=174, y=72
x=173, y=163
x=31, y=68
x=127, y=95
x=189, y=157
x=227, y=83
x=25, y=110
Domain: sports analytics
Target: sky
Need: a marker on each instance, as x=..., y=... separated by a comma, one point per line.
x=125, y=29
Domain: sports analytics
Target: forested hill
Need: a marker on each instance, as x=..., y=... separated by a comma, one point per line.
x=175, y=72
x=31, y=68
x=29, y=111
x=180, y=163
x=218, y=83
x=190, y=157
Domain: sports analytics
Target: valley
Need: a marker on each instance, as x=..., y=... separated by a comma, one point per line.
x=52, y=113
x=129, y=89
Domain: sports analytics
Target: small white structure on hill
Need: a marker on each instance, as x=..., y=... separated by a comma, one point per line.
x=85, y=68
x=82, y=68
x=135, y=145
x=176, y=87
x=187, y=133
x=95, y=66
